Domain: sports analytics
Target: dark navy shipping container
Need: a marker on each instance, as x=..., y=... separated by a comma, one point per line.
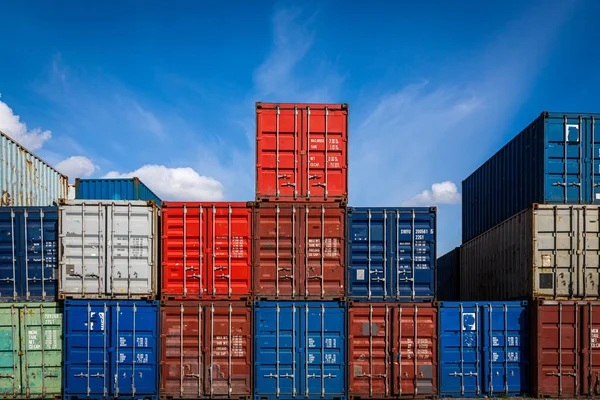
x=448, y=276
x=555, y=160
x=299, y=350
x=110, y=349
x=114, y=189
x=483, y=349
x=391, y=253
x=28, y=253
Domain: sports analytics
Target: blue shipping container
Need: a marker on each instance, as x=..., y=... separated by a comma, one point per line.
x=110, y=349
x=555, y=160
x=391, y=253
x=299, y=350
x=28, y=253
x=448, y=276
x=483, y=349
x=113, y=189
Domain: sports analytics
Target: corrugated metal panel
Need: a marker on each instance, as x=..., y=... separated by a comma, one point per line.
x=556, y=159
x=25, y=179
x=448, y=276
x=114, y=189
x=31, y=337
x=28, y=253
x=302, y=152
x=300, y=350
x=392, y=350
x=546, y=251
x=484, y=349
x=108, y=249
x=206, y=250
x=111, y=349
x=206, y=349
x=391, y=253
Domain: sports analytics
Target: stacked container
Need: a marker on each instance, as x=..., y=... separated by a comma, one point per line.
x=299, y=251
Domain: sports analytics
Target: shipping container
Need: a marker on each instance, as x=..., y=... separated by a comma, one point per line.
x=302, y=152
x=31, y=337
x=566, y=349
x=26, y=179
x=392, y=350
x=206, y=350
x=110, y=349
x=547, y=251
x=299, y=251
x=114, y=189
x=28, y=253
x=484, y=349
x=300, y=350
x=206, y=250
x=555, y=160
x=108, y=249
x=391, y=254
x=448, y=276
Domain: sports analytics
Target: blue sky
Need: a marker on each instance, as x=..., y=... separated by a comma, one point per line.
x=167, y=90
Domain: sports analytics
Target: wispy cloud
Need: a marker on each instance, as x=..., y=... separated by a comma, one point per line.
x=146, y=120
x=11, y=124
x=440, y=193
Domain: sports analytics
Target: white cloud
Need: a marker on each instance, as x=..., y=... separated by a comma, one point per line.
x=11, y=124
x=176, y=183
x=77, y=167
x=440, y=193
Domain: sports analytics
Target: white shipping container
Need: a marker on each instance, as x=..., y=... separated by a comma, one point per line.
x=547, y=251
x=25, y=179
x=108, y=249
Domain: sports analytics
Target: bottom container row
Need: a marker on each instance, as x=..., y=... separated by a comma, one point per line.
x=291, y=350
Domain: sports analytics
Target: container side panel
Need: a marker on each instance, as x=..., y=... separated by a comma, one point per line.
x=114, y=189
x=9, y=270
x=448, y=276
x=10, y=359
x=39, y=274
x=590, y=349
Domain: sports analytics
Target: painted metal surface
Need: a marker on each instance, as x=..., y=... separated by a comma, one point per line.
x=108, y=249
x=206, y=250
x=110, y=349
x=391, y=253
x=28, y=253
x=31, y=350
x=299, y=250
x=300, y=350
x=392, y=350
x=448, y=276
x=555, y=160
x=484, y=349
x=206, y=349
x=302, y=152
x=548, y=251
x=25, y=179
x=114, y=189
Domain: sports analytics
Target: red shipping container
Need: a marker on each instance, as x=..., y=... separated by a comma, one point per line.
x=302, y=152
x=392, y=350
x=299, y=250
x=206, y=349
x=566, y=349
x=206, y=250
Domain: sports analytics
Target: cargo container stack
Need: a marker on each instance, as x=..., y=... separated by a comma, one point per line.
x=531, y=232
x=299, y=250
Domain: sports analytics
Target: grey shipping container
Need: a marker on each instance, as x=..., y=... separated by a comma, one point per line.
x=25, y=179
x=108, y=249
x=546, y=251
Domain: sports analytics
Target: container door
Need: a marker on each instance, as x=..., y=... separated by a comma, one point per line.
x=589, y=239
x=41, y=368
x=83, y=235
x=40, y=258
x=505, y=351
x=368, y=268
x=590, y=349
x=10, y=232
x=10, y=359
x=131, y=249
x=592, y=127
x=228, y=339
x=369, y=345
x=229, y=234
x=324, y=348
x=460, y=350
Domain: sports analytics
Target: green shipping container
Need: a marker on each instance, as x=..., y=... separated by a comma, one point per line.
x=30, y=350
